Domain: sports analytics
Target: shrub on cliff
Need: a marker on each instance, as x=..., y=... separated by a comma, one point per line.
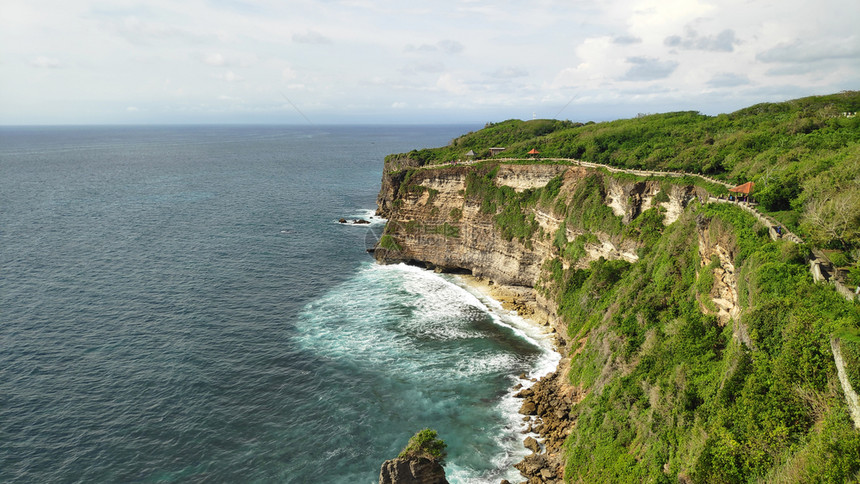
x=425, y=444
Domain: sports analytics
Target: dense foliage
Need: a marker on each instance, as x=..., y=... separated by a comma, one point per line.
x=674, y=393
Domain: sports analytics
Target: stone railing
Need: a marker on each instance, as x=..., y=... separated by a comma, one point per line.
x=851, y=397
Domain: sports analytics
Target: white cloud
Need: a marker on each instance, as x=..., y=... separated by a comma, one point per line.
x=724, y=41
x=357, y=56
x=311, y=37
x=648, y=69
x=813, y=50
x=728, y=79
x=45, y=62
x=288, y=73
x=215, y=59
x=509, y=72
x=229, y=76
x=450, y=84
x=626, y=40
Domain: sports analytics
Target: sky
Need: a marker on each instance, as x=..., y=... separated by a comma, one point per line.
x=404, y=61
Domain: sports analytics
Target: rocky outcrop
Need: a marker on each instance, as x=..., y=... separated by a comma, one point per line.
x=629, y=199
x=717, y=252
x=435, y=226
x=432, y=223
x=412, y=470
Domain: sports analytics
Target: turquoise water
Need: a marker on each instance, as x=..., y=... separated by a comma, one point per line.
x=180, y=304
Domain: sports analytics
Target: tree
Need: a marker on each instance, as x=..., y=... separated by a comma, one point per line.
x=835, y=217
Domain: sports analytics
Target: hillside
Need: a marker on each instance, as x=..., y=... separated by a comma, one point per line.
x=697, y=348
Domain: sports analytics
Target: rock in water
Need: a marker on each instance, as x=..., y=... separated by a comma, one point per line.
x=412, y=470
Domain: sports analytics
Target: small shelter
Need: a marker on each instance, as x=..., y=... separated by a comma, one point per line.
x=470, y=153
x=496, y=151
x=534, y=152
x=744, y=189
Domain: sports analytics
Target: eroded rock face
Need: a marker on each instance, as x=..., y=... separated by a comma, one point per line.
x=716, y=244
x=432, y=223
x=412, y=470
x=629, y=199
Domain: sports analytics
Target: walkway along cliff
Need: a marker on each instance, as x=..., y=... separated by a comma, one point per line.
x=696, y=348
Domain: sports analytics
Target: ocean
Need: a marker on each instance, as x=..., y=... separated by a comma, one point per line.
x=180, y=304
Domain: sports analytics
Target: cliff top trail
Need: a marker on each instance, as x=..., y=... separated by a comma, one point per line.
x=769, y=221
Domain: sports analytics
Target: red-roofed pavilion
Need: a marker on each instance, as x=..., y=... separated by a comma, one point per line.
x=746, y=188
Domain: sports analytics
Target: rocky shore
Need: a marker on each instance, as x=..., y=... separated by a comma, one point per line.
x=547, y=407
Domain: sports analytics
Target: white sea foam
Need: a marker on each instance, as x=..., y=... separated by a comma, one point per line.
x=362, y=214
x=424, y=327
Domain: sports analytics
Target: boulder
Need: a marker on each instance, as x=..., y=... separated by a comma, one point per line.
x=532, y=444
x=341, y=220
x=412, y=470
x=532, y=464
x=528, y=408
x=361, y=221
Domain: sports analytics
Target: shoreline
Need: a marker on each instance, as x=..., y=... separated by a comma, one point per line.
x=543, y=397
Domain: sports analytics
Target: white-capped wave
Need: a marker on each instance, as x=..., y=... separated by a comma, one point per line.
x=366, y=214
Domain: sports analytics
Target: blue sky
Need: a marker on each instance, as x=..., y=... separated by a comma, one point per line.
x=386, y=61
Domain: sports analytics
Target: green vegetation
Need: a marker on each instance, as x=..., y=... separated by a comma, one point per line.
x=456, y=214
x=507, y=206
x=850, y=346
x=447, y=230
x=388, y=242
x=425, y=443
x=692, y=399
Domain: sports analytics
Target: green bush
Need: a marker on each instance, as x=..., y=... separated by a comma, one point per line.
x=388, y=242
x=456, y=214
x=839, y=259
x=425, y=444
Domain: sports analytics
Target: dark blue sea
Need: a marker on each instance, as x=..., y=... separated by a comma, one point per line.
x=180, y=304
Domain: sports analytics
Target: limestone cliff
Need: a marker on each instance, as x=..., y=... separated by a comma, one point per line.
x=434, y=224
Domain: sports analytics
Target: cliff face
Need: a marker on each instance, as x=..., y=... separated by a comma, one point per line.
x=418, y=213
x=433, y=223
